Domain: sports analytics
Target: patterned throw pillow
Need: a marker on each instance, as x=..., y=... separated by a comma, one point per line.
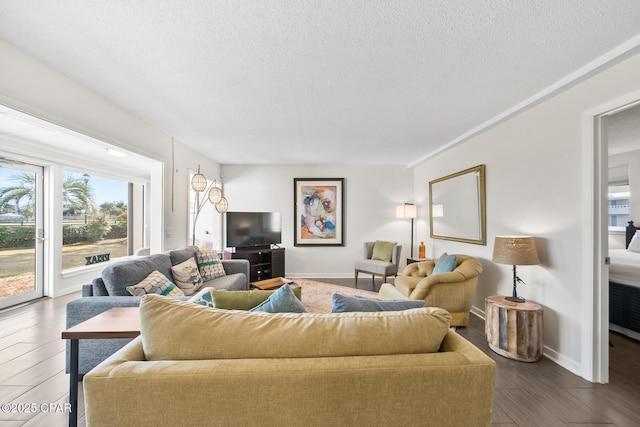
x=205, y=299
x=236, y=300
x=209, y=264
x=281, y=301
x=187, y=276
x=155, y=283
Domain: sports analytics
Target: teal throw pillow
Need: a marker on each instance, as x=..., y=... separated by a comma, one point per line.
x=281, y=301
x=205, y=299
x=382, y=251
x=445, y=264
x=345, y=304
x=236, y=300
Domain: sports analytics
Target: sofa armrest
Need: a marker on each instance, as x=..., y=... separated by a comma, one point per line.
x=92, y=352
x=450, y=290
x=85, y=308
x=232, y=266
x=426, y=285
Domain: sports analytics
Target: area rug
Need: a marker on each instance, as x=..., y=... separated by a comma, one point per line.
x=316, y=296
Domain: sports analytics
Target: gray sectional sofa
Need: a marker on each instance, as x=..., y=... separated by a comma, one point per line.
x=109, y=290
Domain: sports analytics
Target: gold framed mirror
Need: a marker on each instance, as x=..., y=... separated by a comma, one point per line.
x=457, y=206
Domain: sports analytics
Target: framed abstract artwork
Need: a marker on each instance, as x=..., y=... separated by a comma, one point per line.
x=318, y=211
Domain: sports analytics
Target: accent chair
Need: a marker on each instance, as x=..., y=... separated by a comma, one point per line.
x=453, y=291
x=372, y=264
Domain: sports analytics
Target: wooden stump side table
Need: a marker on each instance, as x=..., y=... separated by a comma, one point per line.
x=514, y=330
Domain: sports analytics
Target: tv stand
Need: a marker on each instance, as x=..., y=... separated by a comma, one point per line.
x=265, y=262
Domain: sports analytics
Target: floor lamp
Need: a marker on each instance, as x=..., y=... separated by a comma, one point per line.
x=408, y=210
x=214, y=196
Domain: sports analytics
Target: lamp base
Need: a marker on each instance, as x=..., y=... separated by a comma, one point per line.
x=515, y=299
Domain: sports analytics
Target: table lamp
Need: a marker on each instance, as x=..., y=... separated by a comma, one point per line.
x=515, y=250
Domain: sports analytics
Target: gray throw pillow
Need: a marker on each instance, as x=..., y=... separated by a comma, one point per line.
x=179, y=256
x=344, y=304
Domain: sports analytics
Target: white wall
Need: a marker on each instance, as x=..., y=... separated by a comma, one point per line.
x=371, y=194
x=535, y=186
x=30, y=86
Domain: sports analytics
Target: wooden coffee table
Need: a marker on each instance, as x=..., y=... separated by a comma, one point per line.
x=119, y=322
x=268, y=284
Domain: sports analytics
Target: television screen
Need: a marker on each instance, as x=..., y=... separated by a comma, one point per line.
x=246, y=229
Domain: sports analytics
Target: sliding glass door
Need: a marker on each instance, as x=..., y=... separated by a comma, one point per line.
x=21, y=232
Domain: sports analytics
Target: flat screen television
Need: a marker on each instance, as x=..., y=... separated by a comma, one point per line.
x=253, y=229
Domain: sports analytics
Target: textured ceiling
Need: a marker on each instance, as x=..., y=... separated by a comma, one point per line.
x=335, y=81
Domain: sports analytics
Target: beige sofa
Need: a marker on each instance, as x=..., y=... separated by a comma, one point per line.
x=454, y=291
x=198, y=366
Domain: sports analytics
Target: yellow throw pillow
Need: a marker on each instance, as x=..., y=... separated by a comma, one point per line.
x=383, y=251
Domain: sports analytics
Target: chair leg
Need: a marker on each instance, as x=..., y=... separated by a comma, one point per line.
x=356, y=279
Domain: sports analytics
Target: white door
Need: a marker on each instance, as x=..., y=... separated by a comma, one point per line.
x=21, y=232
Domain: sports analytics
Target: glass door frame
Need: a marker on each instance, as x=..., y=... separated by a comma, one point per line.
x=39, y=235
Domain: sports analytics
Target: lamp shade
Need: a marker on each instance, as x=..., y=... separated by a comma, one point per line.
x=215, y=194
x=199, y=181
x=407, y=210
x=515, y=250
x=222, y=205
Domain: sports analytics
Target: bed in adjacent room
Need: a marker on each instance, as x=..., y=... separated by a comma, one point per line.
x=624, y=286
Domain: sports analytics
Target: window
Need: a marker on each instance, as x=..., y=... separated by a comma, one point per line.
x=95, y=217
x=619, y=206
x=207, y=234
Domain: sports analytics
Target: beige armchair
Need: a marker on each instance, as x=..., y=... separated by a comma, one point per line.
x=453, y=291
x=376, y=267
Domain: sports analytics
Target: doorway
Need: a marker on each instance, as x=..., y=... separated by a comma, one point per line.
x=21, y=231
x=596, y=308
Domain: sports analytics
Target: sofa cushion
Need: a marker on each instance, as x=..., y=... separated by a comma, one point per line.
x=180, y=330
x=282, y=300
x=119, y=275
x=348, y=303
x=446, y=264
x=209, y=264
x=236, y=300
x=155, y=283
x=179, y=256
x=383, y=251
x=187, y=276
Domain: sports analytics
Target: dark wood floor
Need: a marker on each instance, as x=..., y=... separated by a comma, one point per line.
x=527, y=394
